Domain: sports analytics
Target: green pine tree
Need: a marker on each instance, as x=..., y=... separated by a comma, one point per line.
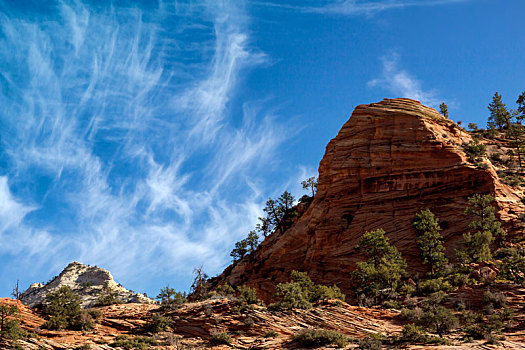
x=430, y=241
x=521, y=106
x=485, y=228
x=499, y=115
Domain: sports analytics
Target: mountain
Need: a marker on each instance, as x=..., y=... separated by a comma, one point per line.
x=390, y=160
x=88, y=282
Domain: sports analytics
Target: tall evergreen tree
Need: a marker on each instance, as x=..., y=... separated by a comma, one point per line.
x=521, y=107
x=443, y=109
x=430, y=241
x=499, y=115
x=274, y=215
x=484, y=229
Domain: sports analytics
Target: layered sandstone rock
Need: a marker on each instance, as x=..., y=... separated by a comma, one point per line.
x=88, y=282
x=389, y=161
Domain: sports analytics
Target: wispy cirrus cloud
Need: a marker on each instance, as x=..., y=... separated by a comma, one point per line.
x=401, y=83
x=118, y=131
x=355, y=7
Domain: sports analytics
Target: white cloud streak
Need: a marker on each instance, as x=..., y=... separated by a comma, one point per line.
x=401, y=83
x=356, y=7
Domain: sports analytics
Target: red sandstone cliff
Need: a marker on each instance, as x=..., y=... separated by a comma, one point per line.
x=389, y=161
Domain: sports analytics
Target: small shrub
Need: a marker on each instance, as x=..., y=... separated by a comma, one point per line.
x=220, y=338
x=247, y=295
x=473, y=126
x=513, y=180
x=95, y=314
x=434, y=285
x=225, y=291
x=13, y=331
x=208, y=310
x=271, y=334
x=249, y=322
x=319, y=292
x=140, y=343
x=413, y=334
x=83, y=347
x=170, y=298
x=412, y=315
x=391, y=304
x=496, y=157
x=9, y=325
x=83, y=322
x=439, y=319
x=159, y=323
x=320, y=337
x=479, y=326
x=497, y=300
x=108, y=296
x=492, y=339
x=458, y=279
x=475, y=151
x=372, y=342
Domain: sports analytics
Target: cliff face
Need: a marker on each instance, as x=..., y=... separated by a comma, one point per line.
x=389, y=161
x=88, y=282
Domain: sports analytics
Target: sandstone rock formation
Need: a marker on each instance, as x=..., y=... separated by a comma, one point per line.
x=194, y=324
x=88, y=282
x=389, y=161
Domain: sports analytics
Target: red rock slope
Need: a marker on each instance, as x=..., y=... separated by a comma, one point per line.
x=390, y=160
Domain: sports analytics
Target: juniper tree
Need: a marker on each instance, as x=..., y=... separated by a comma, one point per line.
x=430, y=241
x=63, y=305
x=499, y=115
x=443, y=109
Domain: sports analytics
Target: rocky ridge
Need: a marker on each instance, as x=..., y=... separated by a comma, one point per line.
x=88, y=282
x=389, y=161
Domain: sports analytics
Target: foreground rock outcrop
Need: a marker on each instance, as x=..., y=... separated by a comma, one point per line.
x=194, y=324
x=389, y=161
x=88, y=282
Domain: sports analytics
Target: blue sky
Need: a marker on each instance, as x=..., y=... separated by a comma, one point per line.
x=144, y=137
